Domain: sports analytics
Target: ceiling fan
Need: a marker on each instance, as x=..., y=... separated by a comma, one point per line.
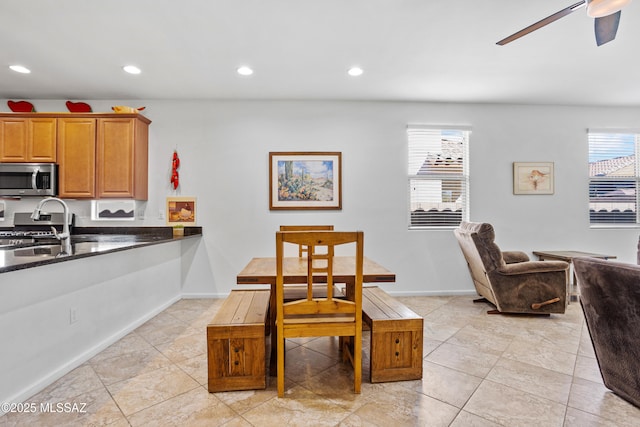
x=606, y=13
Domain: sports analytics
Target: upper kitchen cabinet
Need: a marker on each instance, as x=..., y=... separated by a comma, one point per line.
x=77, y=157
x=122, y=157
x=28, y=139
x=99, y=155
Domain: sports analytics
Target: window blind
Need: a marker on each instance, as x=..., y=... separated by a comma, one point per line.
x=613, y=178
x=438, y=176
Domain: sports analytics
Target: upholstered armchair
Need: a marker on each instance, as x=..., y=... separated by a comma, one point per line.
x=509, y=280
x=610, y=297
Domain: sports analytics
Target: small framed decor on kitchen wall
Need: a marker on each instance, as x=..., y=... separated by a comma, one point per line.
x=305, y=180
x=113, y=210
x=181, y=210
x=533, y=178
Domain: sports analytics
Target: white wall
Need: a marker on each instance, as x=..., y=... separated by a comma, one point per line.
x=224, y=147
x=111, y=294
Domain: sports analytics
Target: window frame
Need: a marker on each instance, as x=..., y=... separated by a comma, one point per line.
x=598, y=218
x=439, y=220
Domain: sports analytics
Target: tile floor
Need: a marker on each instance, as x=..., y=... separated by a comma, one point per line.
x=479, y=370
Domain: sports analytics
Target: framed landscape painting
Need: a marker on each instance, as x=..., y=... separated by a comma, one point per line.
x=533, y=178
x=305, y=180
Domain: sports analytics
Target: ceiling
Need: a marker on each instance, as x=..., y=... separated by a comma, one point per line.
x=410, y=50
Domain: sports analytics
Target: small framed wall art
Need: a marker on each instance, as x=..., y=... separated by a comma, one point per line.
x=305, y=180
x=181, y=210
x=533, y=178
x=113, y=210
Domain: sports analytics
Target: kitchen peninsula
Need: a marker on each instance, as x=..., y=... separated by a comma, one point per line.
x=57, y=313
x=89, y=241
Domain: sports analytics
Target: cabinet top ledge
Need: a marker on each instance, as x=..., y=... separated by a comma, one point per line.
x=78, y=115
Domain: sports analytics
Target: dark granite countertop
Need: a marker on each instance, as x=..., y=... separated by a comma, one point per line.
x=89, y=241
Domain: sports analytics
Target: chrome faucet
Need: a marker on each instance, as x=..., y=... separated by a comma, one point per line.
x=65, y=236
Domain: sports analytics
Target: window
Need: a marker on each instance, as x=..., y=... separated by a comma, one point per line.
x=613, y=178
x=438, y=176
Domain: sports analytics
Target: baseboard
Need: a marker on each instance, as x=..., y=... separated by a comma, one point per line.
x=431, y=293
x=55, y=375
x=207, y=295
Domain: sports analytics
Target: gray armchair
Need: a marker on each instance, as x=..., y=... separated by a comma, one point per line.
x=610, y=297
x=508, y=280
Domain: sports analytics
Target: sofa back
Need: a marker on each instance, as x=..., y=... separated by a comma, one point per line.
x=610, y=298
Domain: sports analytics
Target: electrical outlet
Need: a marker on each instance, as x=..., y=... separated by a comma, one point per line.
x=73, y=315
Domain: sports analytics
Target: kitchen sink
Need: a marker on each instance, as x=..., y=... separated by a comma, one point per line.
x=39, y=252
x=11, y=242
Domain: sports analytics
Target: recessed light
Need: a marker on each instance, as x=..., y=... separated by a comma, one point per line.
x=244, y=71
x=131, y=69
x=355, y=71
x=20, y=69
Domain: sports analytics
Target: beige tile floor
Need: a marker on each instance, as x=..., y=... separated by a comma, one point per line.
x=479, y=370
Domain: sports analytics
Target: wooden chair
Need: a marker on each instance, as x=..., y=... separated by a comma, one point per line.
x=328, y=316
x=299, y=291
x=301, y=248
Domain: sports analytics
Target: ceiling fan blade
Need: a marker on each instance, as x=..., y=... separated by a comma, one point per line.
x=543, y=22
x=606, y=27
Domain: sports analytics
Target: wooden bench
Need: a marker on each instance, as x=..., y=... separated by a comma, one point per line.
x=236, y=342
x=396, y=337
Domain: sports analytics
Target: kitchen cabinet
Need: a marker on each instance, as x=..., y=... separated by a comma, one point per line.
x=122, y=158
x=99, y=155
x=77, y=157
x=28, y=139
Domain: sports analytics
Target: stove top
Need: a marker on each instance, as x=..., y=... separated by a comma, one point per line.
x=14, y=233
x=26, y=229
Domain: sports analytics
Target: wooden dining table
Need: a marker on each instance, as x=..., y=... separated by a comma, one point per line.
x=262, y=271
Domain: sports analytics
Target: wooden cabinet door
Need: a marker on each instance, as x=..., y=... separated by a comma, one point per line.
x=122, y=158
x=77, y=157
x=41, y=147
x=115, y=157
x=28, y=140
x=14, y=133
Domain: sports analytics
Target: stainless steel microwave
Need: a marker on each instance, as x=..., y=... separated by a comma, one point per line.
x=28, y=179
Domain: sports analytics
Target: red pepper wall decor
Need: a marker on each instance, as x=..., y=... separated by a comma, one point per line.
x=175, y=179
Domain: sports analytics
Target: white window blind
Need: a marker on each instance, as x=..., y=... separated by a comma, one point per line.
x=613, y=178
x=438, y=176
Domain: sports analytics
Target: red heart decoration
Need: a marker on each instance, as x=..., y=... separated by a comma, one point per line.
x=21, y=107
x=78, y=107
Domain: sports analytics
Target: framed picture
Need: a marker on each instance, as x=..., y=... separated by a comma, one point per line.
x=113, y=210
x=533, y=178
x=181, y=210
x=305, y=180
